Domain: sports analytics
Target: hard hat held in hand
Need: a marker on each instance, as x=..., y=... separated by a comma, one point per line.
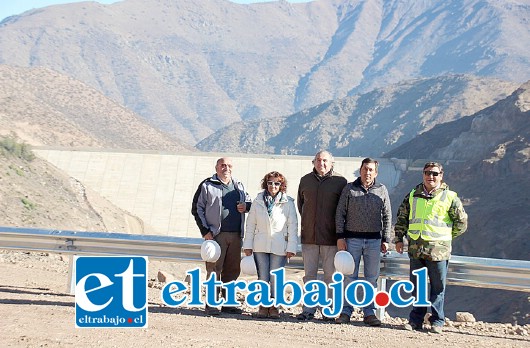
x=344, y=262
x=248, y=265
x=210, y=251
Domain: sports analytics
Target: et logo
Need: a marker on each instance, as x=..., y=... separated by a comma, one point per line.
x=110, y=292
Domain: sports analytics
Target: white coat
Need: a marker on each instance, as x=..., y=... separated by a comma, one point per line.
x=277, y=234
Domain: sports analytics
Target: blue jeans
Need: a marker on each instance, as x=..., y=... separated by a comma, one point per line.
x=370, y=250
x=267, y=262
x=437, y=271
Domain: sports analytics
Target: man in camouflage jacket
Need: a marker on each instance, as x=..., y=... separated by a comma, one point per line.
x=429, y=218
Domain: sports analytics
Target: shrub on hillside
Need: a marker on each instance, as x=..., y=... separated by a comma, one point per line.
x=9, y=145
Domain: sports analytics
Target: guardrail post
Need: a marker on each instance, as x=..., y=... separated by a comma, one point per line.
x=381, y=286
x=70, y=287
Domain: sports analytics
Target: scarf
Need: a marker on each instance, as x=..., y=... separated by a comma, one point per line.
x=270, y=201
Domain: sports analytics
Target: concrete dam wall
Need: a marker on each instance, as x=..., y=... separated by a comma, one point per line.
x=158, y=187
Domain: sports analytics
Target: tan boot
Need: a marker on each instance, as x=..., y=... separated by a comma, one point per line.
x=274, y=313
x=263, y=312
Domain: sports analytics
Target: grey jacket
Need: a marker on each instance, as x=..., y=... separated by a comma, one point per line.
x=207, y=204
x=362, y=213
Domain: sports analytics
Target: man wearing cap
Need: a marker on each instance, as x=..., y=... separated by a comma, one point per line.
x=430, y=217
x=364, y=221
x=219, y=207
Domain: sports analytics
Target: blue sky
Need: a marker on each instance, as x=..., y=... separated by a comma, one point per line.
x=14, y=7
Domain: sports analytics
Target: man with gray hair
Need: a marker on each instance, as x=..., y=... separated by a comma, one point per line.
x=318, y=195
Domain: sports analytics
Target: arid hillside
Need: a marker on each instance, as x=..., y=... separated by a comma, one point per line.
x=369, y=124
x=43, y=107
x=192, y=67
x=34, y=193
x=488, y=156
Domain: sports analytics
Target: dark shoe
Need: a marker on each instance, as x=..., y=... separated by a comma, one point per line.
x=263, y=312
x=231, y=310
x=372, y=320
x=327, y=319
x=305, y=316
x=211, y=311
x=274, y=313
x=436, y=329
x=412, y=327
x=343, y=319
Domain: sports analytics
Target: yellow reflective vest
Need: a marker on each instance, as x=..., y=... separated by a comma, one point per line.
x=429, y=218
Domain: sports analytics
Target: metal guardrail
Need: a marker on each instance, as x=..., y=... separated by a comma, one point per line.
x=466, y=271
x=470, y=271
x=100, y=243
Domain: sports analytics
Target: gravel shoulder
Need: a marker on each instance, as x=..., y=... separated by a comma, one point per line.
x=37, y=311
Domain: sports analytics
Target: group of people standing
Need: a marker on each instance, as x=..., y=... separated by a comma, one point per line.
x=335, y=215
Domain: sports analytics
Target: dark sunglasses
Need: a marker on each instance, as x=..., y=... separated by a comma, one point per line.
x=274, y=183
x=430, y=172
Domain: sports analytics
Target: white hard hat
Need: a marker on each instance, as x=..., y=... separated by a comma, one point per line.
x=210, y=251
x=344, y=262
x=248, y=265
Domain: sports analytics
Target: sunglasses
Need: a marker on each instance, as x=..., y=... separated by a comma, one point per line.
x=274, y=183
x=430, y=172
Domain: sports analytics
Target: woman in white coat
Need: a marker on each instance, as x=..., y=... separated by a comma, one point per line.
x=271, y=232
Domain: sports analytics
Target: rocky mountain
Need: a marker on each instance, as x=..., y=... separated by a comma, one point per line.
x=369, y=124
x=488, y=156
x=43, y=107
x=191, y=67
x=488, y=132
x=358, y=77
